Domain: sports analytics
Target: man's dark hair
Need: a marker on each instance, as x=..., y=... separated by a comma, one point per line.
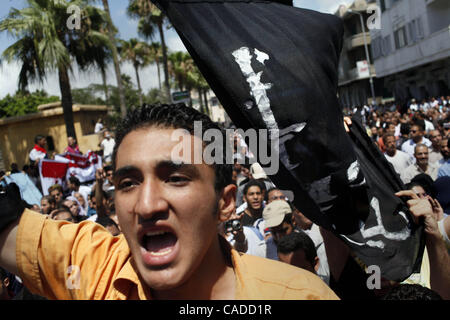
x=107, y=168
x=405, y=128
x=411, y=292
x=420, y=123
x=106, y=221
x=426, y=182
x=253, y=183
x=50, y=199
x=38, y=137
x=295, y=241
x=55, y=187
x=176, y=116
x=75, y=181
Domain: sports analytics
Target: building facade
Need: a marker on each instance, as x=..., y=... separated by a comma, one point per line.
x=354, y=71
x=411, y=51
x=17, y=133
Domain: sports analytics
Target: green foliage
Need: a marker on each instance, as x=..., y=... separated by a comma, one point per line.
x=94, y=94
x=24, y=103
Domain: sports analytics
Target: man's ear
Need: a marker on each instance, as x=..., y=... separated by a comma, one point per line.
x=227, y=202
x=6, y=282
x=316, y=263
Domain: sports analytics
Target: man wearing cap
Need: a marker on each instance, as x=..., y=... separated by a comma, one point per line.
x=279, y=217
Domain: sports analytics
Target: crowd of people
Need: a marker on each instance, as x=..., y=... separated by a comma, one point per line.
x=264, y=222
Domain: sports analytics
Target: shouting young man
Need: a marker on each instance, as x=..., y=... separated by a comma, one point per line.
x=168, y=207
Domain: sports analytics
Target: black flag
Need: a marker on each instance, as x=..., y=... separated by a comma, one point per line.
x=274, y=67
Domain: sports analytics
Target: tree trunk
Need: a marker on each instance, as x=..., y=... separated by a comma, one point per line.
x=66, y=101
x=165, y=65
x=123, y=109
x=138, y=80
x=202, y=109
x=105, y=86
x=206, y=103
x=159, y=74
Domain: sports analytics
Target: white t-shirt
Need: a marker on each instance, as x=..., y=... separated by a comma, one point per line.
x=108, y=147
x=98, y=127
x=400, y=161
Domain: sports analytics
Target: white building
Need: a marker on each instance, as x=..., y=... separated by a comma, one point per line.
x=354, y=86
x=411, y=51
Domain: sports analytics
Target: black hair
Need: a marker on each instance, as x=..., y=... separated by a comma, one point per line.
x=106, y=221
x=38, y=137
x=75, y=181
x=426, y=182
x=295, y=241
x=411, y=292
x=176, y=116
x=108, y=168
x=420, y=123
x=49, y=199
x=405, y=128
x=253, y=183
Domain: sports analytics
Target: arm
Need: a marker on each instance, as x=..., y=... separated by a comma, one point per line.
x=11, y=208
x=8, y=248
x=422, y=209
x=100, y=206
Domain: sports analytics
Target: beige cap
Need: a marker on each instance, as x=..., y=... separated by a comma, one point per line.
x=257, y=171
x=274, y=212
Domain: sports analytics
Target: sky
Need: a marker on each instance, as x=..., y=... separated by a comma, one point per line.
x=127, y=29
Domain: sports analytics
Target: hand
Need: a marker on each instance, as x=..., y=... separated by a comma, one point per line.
x=421, y=209
x=11, y=205
x=239, y=235
x=347, y=123
x=100, y=175
x=437, y=209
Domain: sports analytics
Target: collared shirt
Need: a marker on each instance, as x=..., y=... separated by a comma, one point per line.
x=409, y=146
x=413, y=170
x=444, y=170
x=62, y=260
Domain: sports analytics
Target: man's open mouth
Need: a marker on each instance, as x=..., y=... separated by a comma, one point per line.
x=158, y=247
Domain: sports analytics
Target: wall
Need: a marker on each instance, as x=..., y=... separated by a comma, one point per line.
x=17, y=133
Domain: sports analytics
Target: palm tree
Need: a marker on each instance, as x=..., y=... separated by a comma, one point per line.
x=138, y=53
x=115, y=56
x=156, y=55
x=45, y=44
x=197, y=81
x=150, y=16
x=180, y=64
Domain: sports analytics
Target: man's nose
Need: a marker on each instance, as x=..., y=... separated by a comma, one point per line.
x=151, y=200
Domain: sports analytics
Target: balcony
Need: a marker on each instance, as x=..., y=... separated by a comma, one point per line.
x=352, y=75
x=357, y=40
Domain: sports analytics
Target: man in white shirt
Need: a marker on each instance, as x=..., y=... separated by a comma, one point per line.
x=416, y=134
x=421, y=166
x=107, y=145
x=435, y=150
x=399, y=159
x=38, y=152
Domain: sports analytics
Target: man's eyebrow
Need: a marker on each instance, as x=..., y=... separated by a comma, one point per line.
x=177, y=166
x=123, y=171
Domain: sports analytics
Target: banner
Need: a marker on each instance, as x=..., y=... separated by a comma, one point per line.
x=274, y=67
x=66, y=165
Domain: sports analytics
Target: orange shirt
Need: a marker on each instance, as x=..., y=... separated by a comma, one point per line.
x=62, y=260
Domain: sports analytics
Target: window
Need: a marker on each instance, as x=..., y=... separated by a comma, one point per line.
x=400, y=38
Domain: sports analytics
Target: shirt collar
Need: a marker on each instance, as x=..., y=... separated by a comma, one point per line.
x=128, y=277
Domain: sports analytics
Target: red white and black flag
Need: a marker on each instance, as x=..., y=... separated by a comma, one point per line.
x=57, y=171
x=273, y=66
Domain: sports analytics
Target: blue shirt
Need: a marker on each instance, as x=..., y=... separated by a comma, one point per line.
x=444, y=170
